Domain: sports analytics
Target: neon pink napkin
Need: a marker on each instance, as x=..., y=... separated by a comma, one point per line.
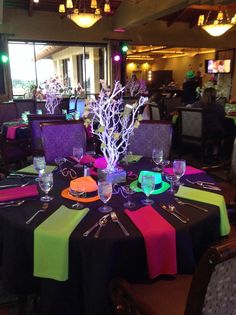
x=189, y=170
x=18, y=192
x=11, y=131
x=160, y=240
x=86, y=159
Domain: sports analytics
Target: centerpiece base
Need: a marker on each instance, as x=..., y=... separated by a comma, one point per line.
x=116, y=176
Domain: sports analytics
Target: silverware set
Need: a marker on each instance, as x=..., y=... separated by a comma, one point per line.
x=44, y=208
x=102, y=222
x=21, y=175
x=171, y=209
x=206, y=185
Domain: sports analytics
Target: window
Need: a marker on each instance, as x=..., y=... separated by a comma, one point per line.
x=32, y=63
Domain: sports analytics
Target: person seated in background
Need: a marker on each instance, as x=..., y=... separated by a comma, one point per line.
x=190, y=85
x=213, y=116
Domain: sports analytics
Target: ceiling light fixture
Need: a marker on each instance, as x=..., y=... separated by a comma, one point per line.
x=218, y=26
x=82, y=15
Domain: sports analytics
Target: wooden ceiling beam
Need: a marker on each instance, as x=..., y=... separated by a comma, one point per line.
x=30, y=7
x=177, y=17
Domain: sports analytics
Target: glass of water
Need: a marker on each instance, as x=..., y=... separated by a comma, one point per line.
x=179, y=167
x=39, y=164
x=78, y=153
x=46, y=183
x=157, y=157
x=105, y=193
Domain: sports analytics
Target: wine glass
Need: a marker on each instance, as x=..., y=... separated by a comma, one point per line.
x=148, y=186
x=171, y=178
x=105, y=193
x=179, y=167
x=78, y=193
x=78, y=153
x=129, y=204
x=45, y=181
x=157, y=157
x=39, y=165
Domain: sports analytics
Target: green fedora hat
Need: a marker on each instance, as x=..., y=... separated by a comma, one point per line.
x=160, y=185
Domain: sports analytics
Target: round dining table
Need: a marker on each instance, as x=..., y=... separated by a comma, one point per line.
x=93, y=262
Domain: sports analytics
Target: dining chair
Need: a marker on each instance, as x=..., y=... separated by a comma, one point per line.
x=35, y=131
x=232, y=173
x=151, y=134
x=191, y=133
x=59, y=138
x=211, y=290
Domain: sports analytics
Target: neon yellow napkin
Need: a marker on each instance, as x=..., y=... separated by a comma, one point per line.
x=211, y=198
x=30, y=169
x=51, y=243
x=131, y=158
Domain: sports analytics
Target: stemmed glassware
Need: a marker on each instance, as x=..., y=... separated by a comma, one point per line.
x=148, y=186
x=172, y=179
x=78, y=193
x=105, y=193
x=157, y=157
x=78, y=153
x=179, y=167
x=45, y=181
x=39, y=165
x=129, y=204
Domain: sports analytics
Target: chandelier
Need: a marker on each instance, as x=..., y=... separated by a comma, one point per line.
x=81, y=14
x=219, y=26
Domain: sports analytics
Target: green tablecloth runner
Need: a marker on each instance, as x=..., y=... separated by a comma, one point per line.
x=131, y=158
x=51, y=243
x=30, y=169
x=211, y=198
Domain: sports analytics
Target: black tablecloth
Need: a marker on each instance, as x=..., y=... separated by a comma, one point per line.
x=93, y=262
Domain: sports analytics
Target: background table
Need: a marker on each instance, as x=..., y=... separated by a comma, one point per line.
x=93, y=262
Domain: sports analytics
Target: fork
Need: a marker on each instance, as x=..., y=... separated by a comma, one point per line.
x=101, y=223
x=44, y=208
x=206, y=185
x=116, y=220
x=180, y=202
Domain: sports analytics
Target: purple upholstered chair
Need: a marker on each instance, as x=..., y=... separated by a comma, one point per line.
x=35, y=131
x=151, y=134
x=59, y=138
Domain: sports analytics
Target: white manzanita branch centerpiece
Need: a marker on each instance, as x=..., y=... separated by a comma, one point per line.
x=113, y=122
x=52, y=89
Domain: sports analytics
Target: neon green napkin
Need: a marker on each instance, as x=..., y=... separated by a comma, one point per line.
x=131, y=158
x=51, y=243
x=30, y=169
x=211, y=198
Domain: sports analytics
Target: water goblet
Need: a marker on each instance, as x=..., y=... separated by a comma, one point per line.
x=157, y=157
x=105, y=193
x=129, y=204
x=179, y=167
x=78, y=193
x=45, y=181
x=148, y=186
x=171, y=178
x=78, y=153
x=39, y=165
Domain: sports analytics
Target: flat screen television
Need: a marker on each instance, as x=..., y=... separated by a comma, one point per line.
x=218, y=66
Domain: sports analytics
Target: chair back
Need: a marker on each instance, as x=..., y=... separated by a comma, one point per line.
x=233, y=164
x=191, y=127
x=171, y=104
x=25, y=105
x=59, y=138
x=7, y=112
x=155, y=113
x=151, y=134
x=213, y=289
x=35, y=131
